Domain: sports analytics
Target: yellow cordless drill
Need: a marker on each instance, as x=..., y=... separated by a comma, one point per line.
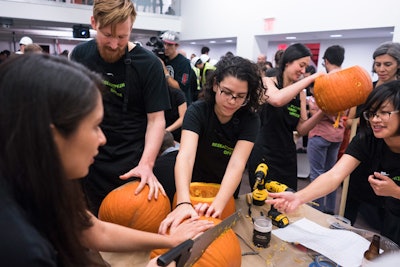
x=278, y=219
x=260, y=194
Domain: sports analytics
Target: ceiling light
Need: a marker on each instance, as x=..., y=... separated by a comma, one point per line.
x=290, y=37
x=212, y=42
x=192, y=42
x=229, y=41
x=336, y=35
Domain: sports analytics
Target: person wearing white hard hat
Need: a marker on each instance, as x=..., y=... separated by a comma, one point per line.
x=23, y=43
x=205, y=66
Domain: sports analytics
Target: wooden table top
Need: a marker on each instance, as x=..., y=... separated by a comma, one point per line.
x=277, y=254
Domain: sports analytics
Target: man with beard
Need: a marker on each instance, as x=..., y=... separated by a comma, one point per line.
x=135, y=98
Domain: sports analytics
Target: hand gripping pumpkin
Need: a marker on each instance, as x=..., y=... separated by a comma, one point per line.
x=343, y=89
x=225, y=251
x=123, y=207
x=205, y=193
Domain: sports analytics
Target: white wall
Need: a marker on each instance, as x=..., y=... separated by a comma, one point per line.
x=245, y=19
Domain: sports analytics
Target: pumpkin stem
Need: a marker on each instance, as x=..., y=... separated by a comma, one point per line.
x=336, y=124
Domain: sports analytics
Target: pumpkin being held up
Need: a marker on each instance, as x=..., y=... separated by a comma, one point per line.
x=123, y=207
x=343, y=89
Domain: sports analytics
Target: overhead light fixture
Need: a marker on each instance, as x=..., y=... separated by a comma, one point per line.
x=229, y=41
x=291, y=38
x=212, y=42
x=336, y=35
x=192, y=42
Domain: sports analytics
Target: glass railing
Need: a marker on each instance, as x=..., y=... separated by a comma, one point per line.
x=164, y=7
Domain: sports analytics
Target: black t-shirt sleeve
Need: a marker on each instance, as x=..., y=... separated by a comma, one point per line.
x=194, y=117
x=21, y=244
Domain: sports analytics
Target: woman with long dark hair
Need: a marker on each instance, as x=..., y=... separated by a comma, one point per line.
x=50, y=112
x=283, y=113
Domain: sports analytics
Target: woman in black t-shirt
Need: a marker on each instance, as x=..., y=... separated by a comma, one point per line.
x=378, y=145
x=218, y=134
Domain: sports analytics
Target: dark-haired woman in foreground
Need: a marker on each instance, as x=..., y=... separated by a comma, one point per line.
x=50, y=111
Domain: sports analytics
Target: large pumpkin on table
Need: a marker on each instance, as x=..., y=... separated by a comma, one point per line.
x=225, y=251
x=123, y=207
x=205, y=193
x=343, y=89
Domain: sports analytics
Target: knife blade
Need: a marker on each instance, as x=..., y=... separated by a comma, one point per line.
x=188, y=252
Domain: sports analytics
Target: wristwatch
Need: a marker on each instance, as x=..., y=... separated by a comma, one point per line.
x=167, y=76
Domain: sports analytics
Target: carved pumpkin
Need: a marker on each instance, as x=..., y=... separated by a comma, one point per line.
x=343, y=89
x=123, y=207
x=225, y=251
x=205, y=193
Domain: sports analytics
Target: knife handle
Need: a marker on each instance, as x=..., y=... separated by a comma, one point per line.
x=178, y=254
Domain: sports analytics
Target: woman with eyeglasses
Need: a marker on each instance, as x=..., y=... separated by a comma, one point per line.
x=218, y=134
x=377, y=145
x=360, y=197
x=283, y=113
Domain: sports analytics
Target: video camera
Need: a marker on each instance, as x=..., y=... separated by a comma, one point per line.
x=158, y=47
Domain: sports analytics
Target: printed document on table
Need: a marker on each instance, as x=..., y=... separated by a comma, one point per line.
x=342, y=246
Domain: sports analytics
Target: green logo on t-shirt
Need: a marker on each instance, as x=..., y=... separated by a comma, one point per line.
x=227, y=150
x=294, y=111
x=115, y=88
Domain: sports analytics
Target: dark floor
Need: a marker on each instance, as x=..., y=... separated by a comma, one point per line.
x=303, y=181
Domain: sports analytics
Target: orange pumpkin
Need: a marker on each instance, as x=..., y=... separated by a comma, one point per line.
x=343, y=89
x=123, y=207
x=225, y=251
x=205, y=193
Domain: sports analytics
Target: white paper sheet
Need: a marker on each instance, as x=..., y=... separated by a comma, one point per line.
x=343, y=247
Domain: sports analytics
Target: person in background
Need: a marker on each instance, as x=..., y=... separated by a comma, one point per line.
x=360, y=197
x=272, y=72
x=218, y=134
x=65, y=53
x=4, y=55
x=205, y=67
x=324, y=139
x=22, y=43
x=377, y=145
x=195, y=79
x=283, y=113
x=205, y=50
x=44, y=219
x=263, y=64
x=134, y=104
x=386, y=62
x=177, y=68
x=165, y=163
x=33, y=48
x=174, y=116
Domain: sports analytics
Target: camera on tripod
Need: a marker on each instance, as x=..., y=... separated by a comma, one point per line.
x=158, y=47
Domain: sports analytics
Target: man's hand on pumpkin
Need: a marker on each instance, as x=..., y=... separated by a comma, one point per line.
x=146, y=176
